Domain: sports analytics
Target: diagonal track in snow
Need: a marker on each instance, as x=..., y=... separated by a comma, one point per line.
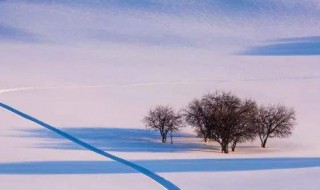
x=160, y=180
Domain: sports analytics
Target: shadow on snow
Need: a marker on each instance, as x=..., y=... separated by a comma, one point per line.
x=179, y=165
x=116, y=139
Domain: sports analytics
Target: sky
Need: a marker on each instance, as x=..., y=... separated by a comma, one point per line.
x=253, y=27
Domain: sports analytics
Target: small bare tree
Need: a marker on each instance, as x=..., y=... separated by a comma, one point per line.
x=274, y=121
x=164, y=119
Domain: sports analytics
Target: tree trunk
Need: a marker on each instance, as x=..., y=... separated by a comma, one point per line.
x=171, y=137
x=205, y=138
x=164, y=139
x=233, y=147
x=263, y=143
x=224, y=148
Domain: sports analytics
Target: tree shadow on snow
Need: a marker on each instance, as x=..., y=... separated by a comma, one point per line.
x=116, y=139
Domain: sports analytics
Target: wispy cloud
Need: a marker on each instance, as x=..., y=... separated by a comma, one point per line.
x=8, y=33
x=288, y=46
x=207, y=6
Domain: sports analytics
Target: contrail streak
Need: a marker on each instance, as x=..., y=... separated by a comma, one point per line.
x=31, y=88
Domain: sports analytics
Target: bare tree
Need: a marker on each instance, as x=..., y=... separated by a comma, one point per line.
x=274, y=121
x=245, y=129
x=164, y=119
x=222, y=117
x=197, y=114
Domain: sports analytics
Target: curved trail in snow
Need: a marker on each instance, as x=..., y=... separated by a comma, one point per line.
x=160, y=180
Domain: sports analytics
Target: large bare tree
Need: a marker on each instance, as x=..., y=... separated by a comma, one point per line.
x=274, y=121
x=164, y=119
x=221, y=117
